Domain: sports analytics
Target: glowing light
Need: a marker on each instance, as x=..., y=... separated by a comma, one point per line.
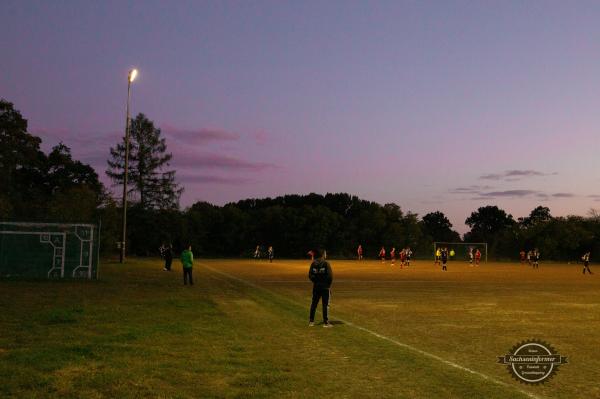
x=132, y=74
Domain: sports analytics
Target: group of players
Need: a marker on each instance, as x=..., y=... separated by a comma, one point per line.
x=442, y=255
x=532, y=257
x=270, y=253
x=404, y=255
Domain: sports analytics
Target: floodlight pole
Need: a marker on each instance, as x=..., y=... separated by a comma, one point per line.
x=126, y=168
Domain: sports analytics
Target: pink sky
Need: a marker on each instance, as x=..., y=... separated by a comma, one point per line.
x=434, y=106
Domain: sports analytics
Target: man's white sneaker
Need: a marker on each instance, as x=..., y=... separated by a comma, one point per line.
x=311, y=324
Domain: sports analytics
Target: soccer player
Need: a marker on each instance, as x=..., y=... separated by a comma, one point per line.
x=438, y=256
x=187, y=261
x=586, y=262
x=393, y=256
x=535, y=259
x=166, y=252
x=523, y=256
x=311, y=253
x=452, y=253
x=477, y=257
x=444, y=257
x=471, y=256
x=271, y=254
x=321, y=275
x=408, y=255
x=529, y=256
x=359, y=252
x=257, y=252
x=382, y=254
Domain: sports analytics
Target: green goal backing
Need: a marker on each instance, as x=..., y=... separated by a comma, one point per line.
x=49, y=250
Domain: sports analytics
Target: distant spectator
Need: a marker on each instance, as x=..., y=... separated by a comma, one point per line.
x=187, y=260
x=167, y=254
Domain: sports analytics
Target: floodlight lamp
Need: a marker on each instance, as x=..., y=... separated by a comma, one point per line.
x=132, y=75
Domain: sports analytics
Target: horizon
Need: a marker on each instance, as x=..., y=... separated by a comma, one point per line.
x=444, y=106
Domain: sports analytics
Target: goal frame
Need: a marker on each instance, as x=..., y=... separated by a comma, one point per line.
x=447, y=243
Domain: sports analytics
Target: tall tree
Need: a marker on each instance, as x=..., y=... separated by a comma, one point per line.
x=437, y=226
x=486, y=223
x=154, y=186
x=540, y=214
x=21, y=163
x=65, y=173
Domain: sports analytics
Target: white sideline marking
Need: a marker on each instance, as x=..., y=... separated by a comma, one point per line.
x=383, y=337
x=361, y=281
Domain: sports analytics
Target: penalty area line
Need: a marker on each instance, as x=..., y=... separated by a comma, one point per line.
x=382, y=337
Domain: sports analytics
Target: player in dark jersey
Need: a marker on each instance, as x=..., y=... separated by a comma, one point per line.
x=535, y=259
x=444, y=259
x=271, y=254
x=407, y=255
x=586, y=263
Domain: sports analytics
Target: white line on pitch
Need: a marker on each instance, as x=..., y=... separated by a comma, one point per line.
x=383, y=337
x=363, y=281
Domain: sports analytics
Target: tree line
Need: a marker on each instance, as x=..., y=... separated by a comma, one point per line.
x=55, y=187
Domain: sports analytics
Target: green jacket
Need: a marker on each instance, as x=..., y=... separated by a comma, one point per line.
x=187, y=259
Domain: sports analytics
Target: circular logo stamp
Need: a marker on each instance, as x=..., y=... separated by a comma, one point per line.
x=532, y=362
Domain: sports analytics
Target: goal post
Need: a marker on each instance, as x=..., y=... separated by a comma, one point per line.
x=49, y=250
x=461, y=249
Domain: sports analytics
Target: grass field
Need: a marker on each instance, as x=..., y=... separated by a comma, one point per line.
x=241, y=332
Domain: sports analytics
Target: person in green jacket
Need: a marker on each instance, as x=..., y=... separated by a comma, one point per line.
x=187, y=260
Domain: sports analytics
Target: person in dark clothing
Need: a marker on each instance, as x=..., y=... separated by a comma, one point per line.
x=321, y=275
x=167, y=253
x=271, y=254
x=586, y=263
x=444, y=259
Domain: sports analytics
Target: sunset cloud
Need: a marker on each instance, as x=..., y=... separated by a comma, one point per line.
x=209, y=179
x=514, y=175
x=508, y=193
x=218, y=161
x=198, y=136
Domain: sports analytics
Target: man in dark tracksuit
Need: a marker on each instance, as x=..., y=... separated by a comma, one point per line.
x=321, y=275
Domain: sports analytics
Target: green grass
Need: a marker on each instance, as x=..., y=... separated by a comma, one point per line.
x=138, y=332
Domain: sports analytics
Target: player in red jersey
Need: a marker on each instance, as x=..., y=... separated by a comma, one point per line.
x=523, y=257
x=359, y=252
x=477, y=257
x=382, y=254
x=393, y=255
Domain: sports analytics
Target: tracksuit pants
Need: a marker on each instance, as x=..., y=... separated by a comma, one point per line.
x=187, y=272
x=319, y=293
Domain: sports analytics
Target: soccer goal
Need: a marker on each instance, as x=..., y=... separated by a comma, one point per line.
x=461, y=249
x=49, y=250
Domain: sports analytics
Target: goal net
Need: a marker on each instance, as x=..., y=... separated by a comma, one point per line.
x=49, y=250
x=461, y=250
